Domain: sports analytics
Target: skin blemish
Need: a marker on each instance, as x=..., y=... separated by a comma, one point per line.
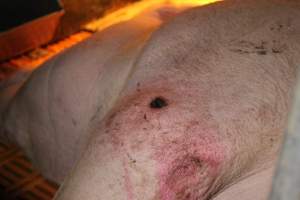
x=74, y=122
x=187, y=167
x=184, y=179
x=189, y=164
x=131, y=159
x=158, y=102
x=263, y=52
x=138, y=87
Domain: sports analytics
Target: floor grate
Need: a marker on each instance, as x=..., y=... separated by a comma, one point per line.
x=19, y=180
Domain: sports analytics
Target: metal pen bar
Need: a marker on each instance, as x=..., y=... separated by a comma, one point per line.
x=286, y=183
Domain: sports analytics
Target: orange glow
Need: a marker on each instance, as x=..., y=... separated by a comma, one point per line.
x=37, y=57
x=128, y=12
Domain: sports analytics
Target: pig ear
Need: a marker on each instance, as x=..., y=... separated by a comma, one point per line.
x=167, y=13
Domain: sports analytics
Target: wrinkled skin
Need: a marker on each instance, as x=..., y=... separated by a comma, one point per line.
x=196, y=111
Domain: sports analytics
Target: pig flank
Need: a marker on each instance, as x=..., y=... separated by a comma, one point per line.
x=194, y=111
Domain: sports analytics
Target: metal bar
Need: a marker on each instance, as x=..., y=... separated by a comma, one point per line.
x=286, y=183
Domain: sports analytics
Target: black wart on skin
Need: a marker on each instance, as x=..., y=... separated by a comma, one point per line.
x=158, y=103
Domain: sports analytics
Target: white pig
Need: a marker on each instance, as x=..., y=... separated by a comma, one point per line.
x=194, y=111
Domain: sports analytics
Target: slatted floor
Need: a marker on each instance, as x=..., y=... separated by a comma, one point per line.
x=19, y=180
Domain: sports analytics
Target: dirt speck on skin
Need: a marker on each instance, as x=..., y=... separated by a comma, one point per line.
x=138, y=85
x=259, y=48
x=131, y=159
x=272, y=141
x=263, y=52
x=74, y=122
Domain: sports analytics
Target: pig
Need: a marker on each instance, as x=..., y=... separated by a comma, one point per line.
x=66, y=94
x=191, y=108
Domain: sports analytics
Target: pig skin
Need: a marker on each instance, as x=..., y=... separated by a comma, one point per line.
x=224, y=76
x=50, y=114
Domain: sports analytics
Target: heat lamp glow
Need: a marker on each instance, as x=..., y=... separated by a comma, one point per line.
x=135, y=9
x=126, y=13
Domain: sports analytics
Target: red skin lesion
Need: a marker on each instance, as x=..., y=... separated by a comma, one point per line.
x=189, y=165
x=182, y=137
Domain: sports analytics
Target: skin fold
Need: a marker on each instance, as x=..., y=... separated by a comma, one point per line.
x=190, y=107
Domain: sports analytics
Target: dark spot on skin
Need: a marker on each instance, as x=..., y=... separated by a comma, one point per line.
x=158, y=103
x=277, y=27
x=271, y=142
x=187, y=196
x=263, y=52
x=259, y=47
x=248, y=47
x=138, y=87
x=145, y=116
x=74, y=122
x=240, y=51
x=131, y=159
x=197, y=161
x=122, y=144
